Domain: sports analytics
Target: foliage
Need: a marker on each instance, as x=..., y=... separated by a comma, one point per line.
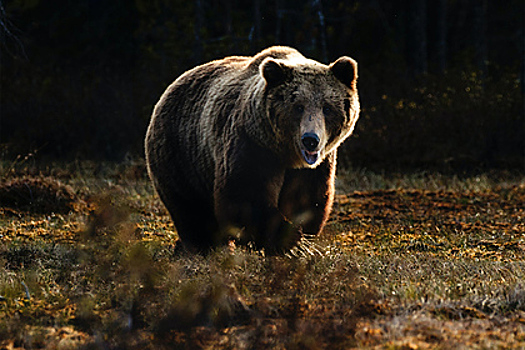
x=458, y=120
x=407, y=261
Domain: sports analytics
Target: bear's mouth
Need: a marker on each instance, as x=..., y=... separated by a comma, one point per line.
x=310, y=157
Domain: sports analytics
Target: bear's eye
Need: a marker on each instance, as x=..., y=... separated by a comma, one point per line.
x=299, y=109
x=326, y=110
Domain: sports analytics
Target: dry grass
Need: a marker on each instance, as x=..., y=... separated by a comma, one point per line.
x=418, y=261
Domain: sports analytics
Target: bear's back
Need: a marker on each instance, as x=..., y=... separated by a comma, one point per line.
x=198, y=81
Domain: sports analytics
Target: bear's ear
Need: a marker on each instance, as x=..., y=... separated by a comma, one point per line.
x=274, y=72
x=345, y=70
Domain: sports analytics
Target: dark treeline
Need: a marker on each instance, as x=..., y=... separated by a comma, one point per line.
x=440, y=81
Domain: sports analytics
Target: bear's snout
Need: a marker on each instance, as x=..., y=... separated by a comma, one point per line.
x=310, y=141
x=309, y=150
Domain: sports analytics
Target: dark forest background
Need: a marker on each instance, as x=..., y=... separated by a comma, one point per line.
x=441, y=82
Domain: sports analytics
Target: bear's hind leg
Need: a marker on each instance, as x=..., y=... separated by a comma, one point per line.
x=196, y=225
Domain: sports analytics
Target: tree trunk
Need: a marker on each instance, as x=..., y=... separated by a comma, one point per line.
x=257, y=19
x=278, y=22
x=199, y=21
x=523, y=60
x=318, y=8
x=417, y=37
x=228, y=19
x=480, y=35
x=441, y=16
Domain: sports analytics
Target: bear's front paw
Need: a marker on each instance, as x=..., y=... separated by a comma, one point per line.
x=283, y=240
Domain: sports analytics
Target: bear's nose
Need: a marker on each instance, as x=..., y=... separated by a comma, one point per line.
x=310, y=141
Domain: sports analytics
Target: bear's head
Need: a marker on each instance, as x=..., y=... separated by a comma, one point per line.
x=311, y=107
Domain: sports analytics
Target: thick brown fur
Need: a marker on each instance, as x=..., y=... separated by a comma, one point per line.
x=246, y=147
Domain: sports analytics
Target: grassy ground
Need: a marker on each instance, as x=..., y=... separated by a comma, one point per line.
x=408, y=261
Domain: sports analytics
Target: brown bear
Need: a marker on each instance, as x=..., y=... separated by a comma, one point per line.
x=245, y=147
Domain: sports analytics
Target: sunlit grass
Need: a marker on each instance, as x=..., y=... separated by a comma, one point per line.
x=406, y=260
x=361, y=179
